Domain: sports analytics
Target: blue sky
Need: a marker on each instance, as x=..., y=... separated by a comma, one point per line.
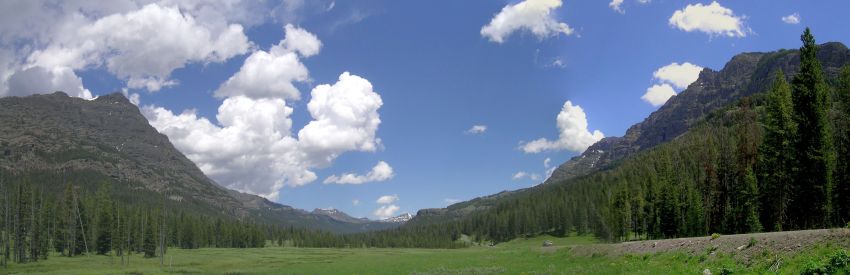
x=436, y=75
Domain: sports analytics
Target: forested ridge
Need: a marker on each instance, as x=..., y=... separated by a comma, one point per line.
x=777, y=160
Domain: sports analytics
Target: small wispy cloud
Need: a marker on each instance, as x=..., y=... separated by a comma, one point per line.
x=525, y=175
x=451, y=201
x=792, y=19
x=477, y=129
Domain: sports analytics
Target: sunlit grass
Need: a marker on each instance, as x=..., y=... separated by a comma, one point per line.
x=515, y=257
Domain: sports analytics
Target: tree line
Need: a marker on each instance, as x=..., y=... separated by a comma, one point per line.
x=35, y=222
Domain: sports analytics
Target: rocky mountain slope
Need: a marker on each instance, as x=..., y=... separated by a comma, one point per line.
x=55, y=139
x=745, y=74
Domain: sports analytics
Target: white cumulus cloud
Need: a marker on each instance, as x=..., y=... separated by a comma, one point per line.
x=712, y=19
x=254, y=149
x=386, y=211
x=43, y=80
x=658, y=94
x=301, y=41
x=387, y=199
x=272, y=73
x=345, y=118
x=477, y=129
x=535, y=16
x=59, y=38
x=679, y=75
x=574, y=133
x=123, y=43
x=669, y=78
x=381, y=172
x=250, y=151
x=792, y=18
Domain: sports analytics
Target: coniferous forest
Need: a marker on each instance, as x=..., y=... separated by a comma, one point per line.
x=778, y=160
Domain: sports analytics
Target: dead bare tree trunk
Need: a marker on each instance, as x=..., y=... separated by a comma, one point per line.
x=32, y=231
x=3, y=241
x=119, y=249
x=71, y=233
x=129, y=249
x=82, y=226
x=162, y=234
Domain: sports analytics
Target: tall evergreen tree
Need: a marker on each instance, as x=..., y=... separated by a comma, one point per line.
x=813, y=155
x=841, y=188
x=777, y=154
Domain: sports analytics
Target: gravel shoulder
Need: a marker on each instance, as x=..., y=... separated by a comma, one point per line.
x=787, y=242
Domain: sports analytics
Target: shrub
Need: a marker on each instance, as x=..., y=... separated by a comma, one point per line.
x=837, y=264
x=714, y=236
x=814, y=268
x=839, y=260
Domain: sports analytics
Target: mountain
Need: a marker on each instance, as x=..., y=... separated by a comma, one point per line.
x=339, y=215
x=53, y=139
x=744, y=75
x=343, y=217
x=403, y=218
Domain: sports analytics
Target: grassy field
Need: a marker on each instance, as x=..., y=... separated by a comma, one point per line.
x=516, y=257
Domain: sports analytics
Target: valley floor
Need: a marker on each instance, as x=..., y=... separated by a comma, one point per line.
x=784, y=253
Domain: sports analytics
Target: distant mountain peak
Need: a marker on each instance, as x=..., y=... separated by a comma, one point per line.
x=399, y=219
x=339, y=215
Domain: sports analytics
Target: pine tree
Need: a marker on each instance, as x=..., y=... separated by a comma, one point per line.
x=104, y=222
x=149, y=244
x=751, y=214
x=746, y=189
x=813, y=179
x=841, y=189
x=777, y=154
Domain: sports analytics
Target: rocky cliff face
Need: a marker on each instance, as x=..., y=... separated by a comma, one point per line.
x=57, y=139
x=746, y=74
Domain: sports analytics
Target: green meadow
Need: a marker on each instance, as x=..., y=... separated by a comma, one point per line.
x=525, y=256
